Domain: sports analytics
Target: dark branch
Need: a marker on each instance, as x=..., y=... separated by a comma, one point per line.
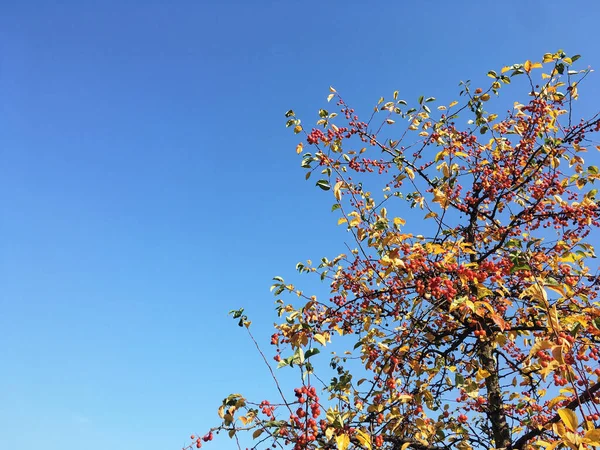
x=583, y=398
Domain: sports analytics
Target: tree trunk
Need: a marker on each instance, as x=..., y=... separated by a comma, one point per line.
x=500, y=430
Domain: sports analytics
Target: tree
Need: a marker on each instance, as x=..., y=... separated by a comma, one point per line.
x=477, y=328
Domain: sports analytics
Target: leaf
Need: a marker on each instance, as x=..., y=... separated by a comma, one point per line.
x=320, y=339
x=299, y=148
x=399, y=221
x=557, y=353
x=482, y=374
x=569, y=418
x=330, y=96
x=336, y=190
x=342, y=441
x=356, y=219
x=364, y=439
x=592, y=437
x=342, y=220
x=257, y=433
x=441, y=198
x=548, y=58
x=311, y=352
x=323, y=184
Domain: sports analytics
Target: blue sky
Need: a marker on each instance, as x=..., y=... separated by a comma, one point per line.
x=148, y=186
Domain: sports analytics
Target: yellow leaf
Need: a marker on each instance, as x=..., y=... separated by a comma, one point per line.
x=342, y=441
x=329, y=432
x=540, y=345
x=556, y=400
x=410, y=173
x=341, y=220
x=557, y=353
x=364, y=439
x=593, y=437
x=482, y=374
x=361, y=234
x=330, y=96
x=559, y=429
x=299, y=147
x=571, y=257
x=336, y=190
x=404, y=398
x=441, y=198
x=430, y=215
x=398, y=221
x=527, y=66
x=332, y=89
x=548, y=58
x=320, y=339
x=569, y=418
x=297, y=129
x=505, y=69
x=356, y=220
x=454, y=103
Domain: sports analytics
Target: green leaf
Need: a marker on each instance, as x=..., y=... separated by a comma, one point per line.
x=459, y=380
x=310, y=352
x=323, y=184
x=257, y=433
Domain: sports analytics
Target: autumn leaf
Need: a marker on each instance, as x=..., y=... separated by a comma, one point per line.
x=440, y=198
x=569, y=418
x=364, y=439
x=320, y=339
x=342, y=441
x=592, y=437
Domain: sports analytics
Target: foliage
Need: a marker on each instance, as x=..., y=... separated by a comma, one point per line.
x=479, y=327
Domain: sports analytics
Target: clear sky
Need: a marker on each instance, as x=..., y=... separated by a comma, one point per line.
x=148, y=186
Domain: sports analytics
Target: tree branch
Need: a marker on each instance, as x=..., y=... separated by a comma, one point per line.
x=583, y=398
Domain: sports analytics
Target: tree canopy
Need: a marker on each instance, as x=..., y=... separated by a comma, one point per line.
x=464, y=313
